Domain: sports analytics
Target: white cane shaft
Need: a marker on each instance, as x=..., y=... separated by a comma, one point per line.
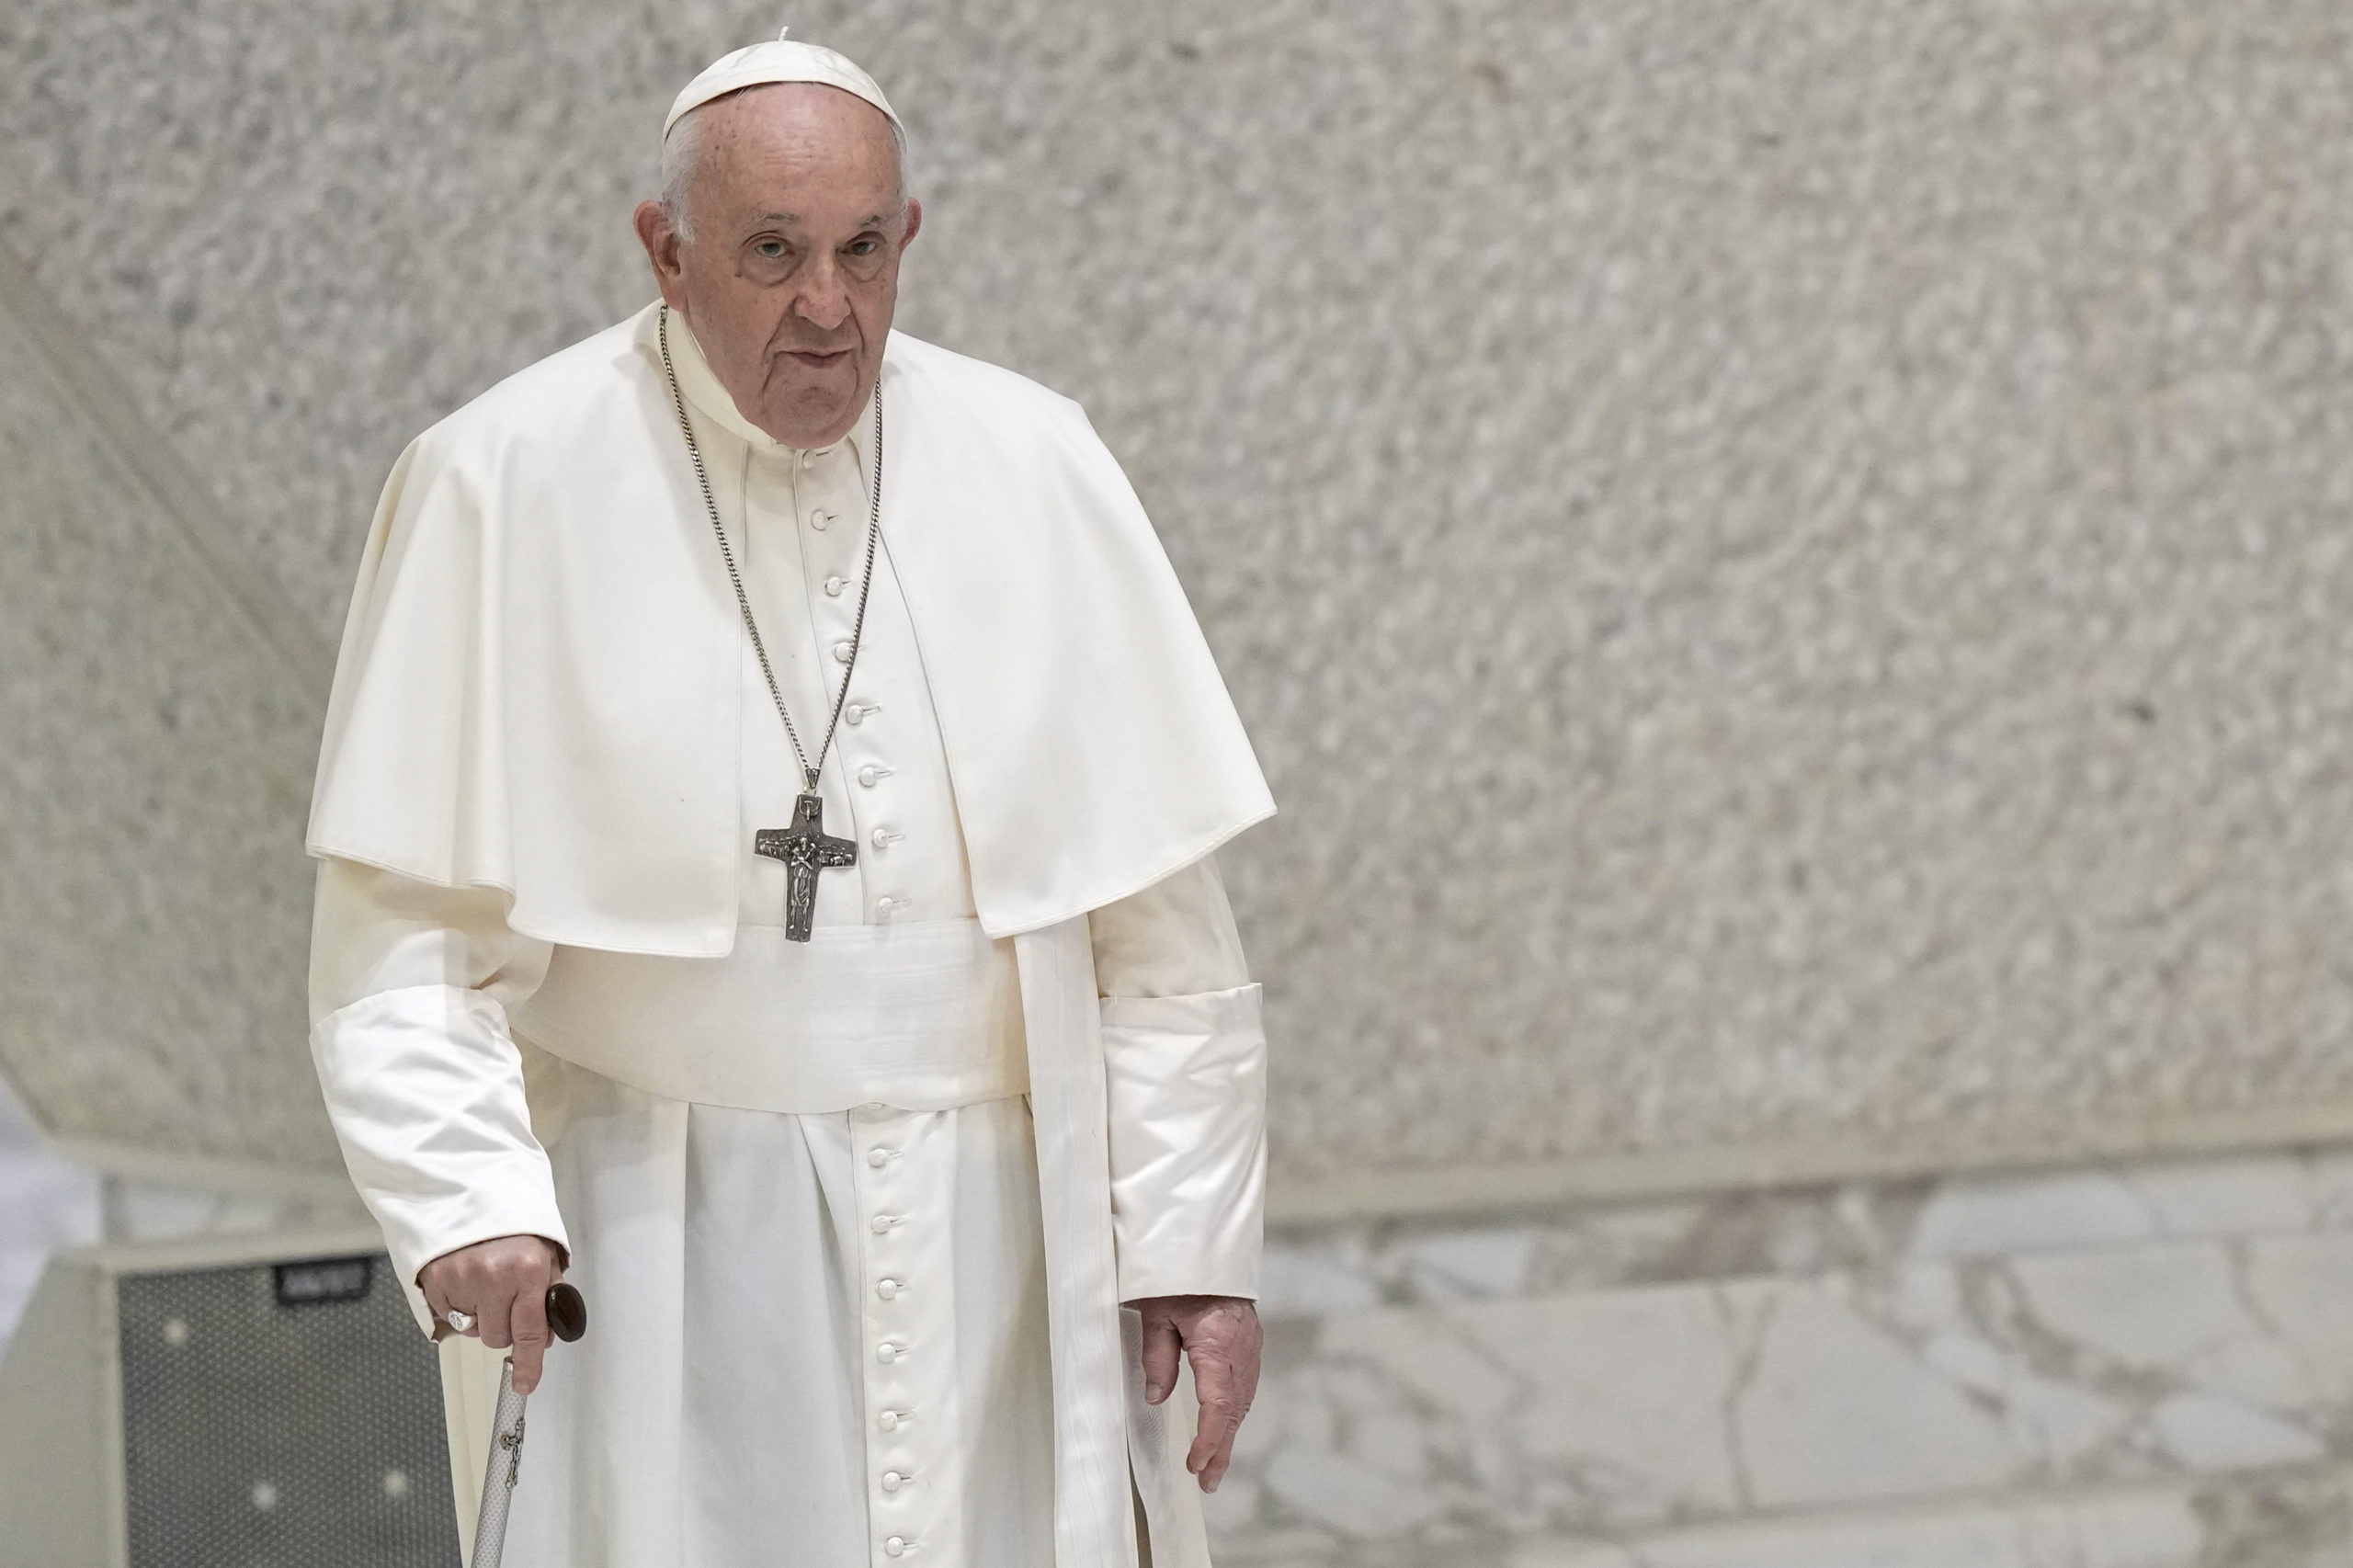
x=499, y=1476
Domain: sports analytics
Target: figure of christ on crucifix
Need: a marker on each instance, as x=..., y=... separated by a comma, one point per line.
x=805, y=850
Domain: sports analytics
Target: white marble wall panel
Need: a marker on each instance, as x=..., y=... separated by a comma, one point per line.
x=2036, y=1368
x=2292, y=1522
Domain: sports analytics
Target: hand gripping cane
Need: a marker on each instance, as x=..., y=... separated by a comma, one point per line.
x=568, y=1318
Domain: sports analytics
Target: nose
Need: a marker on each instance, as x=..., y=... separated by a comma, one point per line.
x=825, y=299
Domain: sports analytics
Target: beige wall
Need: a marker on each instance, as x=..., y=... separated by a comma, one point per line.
x=160, y=713
x=1787, y=558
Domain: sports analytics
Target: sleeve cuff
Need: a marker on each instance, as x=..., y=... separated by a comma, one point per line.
x=426, y=1091
x=1188, y=1085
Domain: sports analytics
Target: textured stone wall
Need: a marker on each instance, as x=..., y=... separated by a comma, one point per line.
x=1787, y=558
x=153, y=898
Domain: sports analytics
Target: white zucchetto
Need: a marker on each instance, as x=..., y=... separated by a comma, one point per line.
x=782, y=61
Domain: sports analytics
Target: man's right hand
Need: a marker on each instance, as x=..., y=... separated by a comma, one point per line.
x=504, y=1283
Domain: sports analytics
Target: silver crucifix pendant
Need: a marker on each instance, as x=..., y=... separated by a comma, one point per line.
x=805, y=850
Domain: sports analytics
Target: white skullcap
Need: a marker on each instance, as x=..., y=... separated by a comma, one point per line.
x=782, y=61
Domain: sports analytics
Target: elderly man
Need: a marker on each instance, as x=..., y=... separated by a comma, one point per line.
x=765, y=819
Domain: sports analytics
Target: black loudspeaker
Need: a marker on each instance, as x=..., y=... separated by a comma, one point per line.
x=267, y=1402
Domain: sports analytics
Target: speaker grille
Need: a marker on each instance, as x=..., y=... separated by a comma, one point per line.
x=278, y=1417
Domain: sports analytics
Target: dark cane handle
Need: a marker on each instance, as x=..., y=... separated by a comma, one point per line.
x=567, y=1313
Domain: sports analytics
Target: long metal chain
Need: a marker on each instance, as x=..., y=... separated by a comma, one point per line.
x=743, y=601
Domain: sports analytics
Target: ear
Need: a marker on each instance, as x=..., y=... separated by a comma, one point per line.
x=914, y=222
x=660, y=238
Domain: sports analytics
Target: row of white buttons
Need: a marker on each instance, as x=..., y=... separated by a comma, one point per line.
x=891, y=1351
x=844, y=650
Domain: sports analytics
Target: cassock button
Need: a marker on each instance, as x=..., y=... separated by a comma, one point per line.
x=878, y=1158
x=833, y=587
x=888, y=1290
x=892, y=1480
x=889, y=1352
x=884, y=1222
x=895, y=1547
x=871, y=774
x=819, y=520
x=889, y=1420
x=842, y=650
x=856, y=711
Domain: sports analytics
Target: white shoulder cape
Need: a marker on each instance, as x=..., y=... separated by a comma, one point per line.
x=538, y=684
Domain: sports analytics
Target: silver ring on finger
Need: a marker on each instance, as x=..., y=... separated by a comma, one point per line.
x=463, y=1321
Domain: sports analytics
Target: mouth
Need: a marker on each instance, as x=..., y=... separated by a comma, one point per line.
x=816, y=360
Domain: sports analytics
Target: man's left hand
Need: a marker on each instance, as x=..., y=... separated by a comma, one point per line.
x=1220, y=1336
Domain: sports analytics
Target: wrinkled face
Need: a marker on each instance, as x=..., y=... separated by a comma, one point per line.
x=791, y=274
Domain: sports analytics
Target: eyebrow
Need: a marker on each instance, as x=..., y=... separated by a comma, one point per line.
x=871, y=220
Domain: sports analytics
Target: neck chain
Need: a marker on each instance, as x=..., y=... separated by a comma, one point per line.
x=804, y=847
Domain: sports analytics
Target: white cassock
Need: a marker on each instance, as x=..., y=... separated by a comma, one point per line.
x=854, y=1216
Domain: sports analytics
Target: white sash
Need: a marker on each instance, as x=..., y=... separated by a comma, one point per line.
x=925, y=1016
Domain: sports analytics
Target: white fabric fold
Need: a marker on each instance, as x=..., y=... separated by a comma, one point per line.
x=1094, y=1502
x=1187, y=1082
x=1159, y=1436
x=426, y=1091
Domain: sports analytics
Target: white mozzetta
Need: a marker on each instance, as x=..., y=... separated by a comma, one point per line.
x=541, y=565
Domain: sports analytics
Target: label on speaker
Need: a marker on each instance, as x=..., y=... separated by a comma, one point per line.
x=323, y=1279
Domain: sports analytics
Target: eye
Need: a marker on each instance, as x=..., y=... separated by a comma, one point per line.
x=771, y=249
x=866, y=246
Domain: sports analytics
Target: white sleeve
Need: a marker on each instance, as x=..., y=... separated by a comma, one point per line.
x=1185, y=1054
x=410, y=987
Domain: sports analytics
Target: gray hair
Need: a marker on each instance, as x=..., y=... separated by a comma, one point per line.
x=682, y=152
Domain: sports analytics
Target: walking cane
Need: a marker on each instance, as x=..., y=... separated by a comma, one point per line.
x=568, y=1319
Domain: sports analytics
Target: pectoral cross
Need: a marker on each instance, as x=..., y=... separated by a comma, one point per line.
x=805, y=850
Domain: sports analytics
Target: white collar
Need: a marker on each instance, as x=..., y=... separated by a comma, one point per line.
x=700, y=386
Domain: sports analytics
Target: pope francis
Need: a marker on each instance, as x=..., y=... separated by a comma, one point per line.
x=764, y=827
